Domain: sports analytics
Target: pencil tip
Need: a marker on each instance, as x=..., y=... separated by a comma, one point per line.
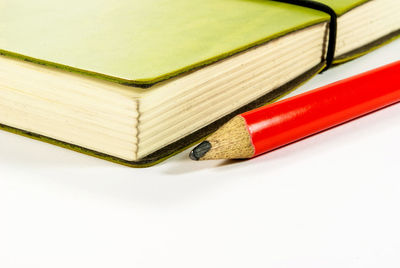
x=200, y=150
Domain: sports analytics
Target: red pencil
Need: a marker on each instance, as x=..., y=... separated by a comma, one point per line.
x=275, y=125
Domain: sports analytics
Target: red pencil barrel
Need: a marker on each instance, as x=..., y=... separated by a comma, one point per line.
x=300, y=116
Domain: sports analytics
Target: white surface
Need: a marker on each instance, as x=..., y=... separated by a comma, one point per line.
x=331, y=200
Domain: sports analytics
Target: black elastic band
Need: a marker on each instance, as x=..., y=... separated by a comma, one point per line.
x=330, y=54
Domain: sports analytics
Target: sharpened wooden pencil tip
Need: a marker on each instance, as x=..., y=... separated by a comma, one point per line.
x=231, y=141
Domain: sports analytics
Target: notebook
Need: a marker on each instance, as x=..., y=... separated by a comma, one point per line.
x=135, y=82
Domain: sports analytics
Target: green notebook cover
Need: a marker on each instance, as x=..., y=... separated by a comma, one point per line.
x=342, y=6
x=140, y=43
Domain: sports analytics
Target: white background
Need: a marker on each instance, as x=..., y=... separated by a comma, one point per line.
x=332, y=200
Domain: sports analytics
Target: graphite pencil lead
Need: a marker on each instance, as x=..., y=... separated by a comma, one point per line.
x=200, y=150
